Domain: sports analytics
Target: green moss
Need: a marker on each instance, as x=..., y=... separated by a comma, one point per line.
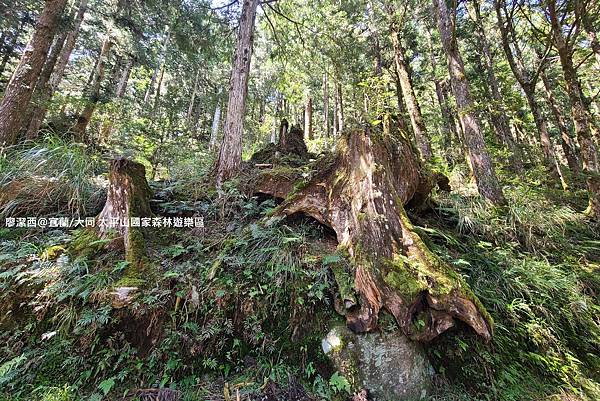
x=87, y=242
x=139, y=270
x=406, y=282
x=344, y=280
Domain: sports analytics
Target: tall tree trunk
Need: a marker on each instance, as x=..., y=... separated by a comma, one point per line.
x=481, y=162
x=19, y=90
x=579, y=113
x=158, y=89
x=566, y=142
x=326, y=106
x=230, y=153
x=408, y=92
x=402, y=124
x=122, y=86
x=53, y=71
x=498, y=112
x=308, y=115
x=63, y=59
x=527, y=80
x=158, y=67
x=340, y=107
x=336, y=126
x=94, y=93
x=214, y=131
x=193, y=97
x=448, y=128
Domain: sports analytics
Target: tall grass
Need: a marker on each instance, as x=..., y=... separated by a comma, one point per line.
x=49, y=177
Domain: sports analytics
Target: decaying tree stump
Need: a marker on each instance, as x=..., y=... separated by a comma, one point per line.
x=128, y=196
x=291, y=143
x=360, y=192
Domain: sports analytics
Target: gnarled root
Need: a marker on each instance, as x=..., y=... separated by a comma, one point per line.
x=360, y=193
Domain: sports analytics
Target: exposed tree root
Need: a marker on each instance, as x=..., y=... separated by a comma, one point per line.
x=360, y=192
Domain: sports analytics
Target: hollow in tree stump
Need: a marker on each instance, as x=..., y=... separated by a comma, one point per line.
x=360, y=192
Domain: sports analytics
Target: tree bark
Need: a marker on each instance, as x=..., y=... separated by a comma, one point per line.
x=230, y=153
x=326, y=106
x=527, y=80
x=157, y=69
x=193, y=97
x=408, y=92
x=361, y=193
x=566, y=142
x=214, y=131
x=579, y=112
x=122, y=85
x=308, y=116
x=94, y=93
x=44, y=88
x=19, y=90
x=498, y=112
x=481, y=162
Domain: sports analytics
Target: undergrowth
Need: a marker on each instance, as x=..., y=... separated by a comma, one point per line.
x=50, y=177
x=242, y=305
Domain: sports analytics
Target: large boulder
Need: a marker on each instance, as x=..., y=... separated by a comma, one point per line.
x=388, y=365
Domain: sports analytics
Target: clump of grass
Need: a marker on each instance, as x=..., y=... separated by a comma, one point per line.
x=49, y=178
x=531, y=220
x=534, y=266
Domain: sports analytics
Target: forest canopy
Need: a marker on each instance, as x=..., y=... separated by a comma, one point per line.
x=299, y=200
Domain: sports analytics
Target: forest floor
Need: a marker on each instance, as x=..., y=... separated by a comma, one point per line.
x=240, y=306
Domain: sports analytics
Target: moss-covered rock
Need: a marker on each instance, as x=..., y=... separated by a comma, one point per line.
x=388, y=365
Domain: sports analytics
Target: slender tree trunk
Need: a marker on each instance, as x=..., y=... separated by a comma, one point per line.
x=408, y=94
x=19, y=90
x=230, y=154
x=579, y=112
x=122, y=85
x=402, y=124
x=43, y=90
x=340, y=107
x=527, y=80
x=158, y=89
x=53, y=71
x=481, y=162
x=308, y=114
x=63, y=59
x=94, y=94
x=276, y=117
x=566, y=142
x=498, y=112
x=158, y=67
x=448, y=128
x=336, y=127
x=326, y=106
x=193, y=97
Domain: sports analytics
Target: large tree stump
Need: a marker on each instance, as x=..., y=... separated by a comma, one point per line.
x=128, y=196
x=360, y=192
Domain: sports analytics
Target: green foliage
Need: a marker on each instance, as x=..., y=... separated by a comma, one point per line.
x=51, y=177
x=538, y=290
